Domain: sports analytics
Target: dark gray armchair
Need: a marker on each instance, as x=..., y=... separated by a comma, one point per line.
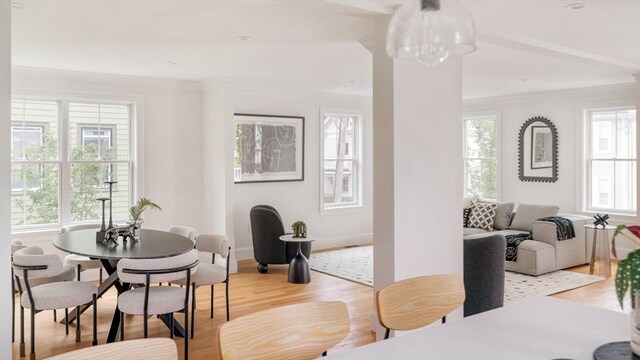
x=266, y=229
x=484, y=273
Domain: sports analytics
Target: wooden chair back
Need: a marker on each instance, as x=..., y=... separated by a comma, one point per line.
x=299, y=331
x=413, y=303
x=141, y=349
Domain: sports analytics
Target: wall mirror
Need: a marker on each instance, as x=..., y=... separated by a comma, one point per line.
x=538, y=150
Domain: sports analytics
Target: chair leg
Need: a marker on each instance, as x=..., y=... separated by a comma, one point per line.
x=211, y=307
x=79, y=270
x=193, y=308
x=22, y=347
x=121, y=326
x=78, y=333
x=95, y=320
x=227, y=298
x=146, y=325
x=324, y=354
x=386, y=334
x=13, y=313
x=186, y=332
x=66, y=320
x=55, y=315
x=32, y=356
x=100, y=276
x=171, y=325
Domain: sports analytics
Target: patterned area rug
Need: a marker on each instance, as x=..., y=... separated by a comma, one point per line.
x=356, y=264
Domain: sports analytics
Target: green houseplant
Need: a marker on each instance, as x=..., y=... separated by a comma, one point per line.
x=628, y=279
x=140, y=207
x=299, y=229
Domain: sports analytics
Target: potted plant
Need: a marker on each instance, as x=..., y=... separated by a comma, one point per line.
x=136, y=211
x=628, y=279
x=299, y=229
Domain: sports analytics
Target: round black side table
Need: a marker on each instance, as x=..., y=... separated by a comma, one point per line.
x=299, y=272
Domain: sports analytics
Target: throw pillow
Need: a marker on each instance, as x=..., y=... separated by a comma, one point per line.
x=526, y=214
x=482, y=215
x=503, y=216
x=468, y=201
x=465, y=216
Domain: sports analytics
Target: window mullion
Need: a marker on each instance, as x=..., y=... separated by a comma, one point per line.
x=65, y=177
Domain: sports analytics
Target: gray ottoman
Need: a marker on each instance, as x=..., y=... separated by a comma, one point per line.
x=534, y=258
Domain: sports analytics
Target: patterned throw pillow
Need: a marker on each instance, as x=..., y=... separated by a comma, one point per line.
x=465, y=216
x=482, y=215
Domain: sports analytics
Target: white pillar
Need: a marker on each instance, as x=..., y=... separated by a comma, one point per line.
x=5, y=177
x=417, y=120
x=637, y=76
x=218, y=136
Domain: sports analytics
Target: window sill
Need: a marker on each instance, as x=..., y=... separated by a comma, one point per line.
x=353, y=209
x=613, y=216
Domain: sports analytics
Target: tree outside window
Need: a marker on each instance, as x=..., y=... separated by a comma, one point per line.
x=480, y=151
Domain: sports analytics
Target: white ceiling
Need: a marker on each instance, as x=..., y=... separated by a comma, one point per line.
x=315, y=44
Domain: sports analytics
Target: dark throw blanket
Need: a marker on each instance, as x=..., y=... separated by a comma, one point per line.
x=513, y=241
x=564, y=227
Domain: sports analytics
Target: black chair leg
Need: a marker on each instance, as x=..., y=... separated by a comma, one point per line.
x=13, y=313
x=324, y=354
x=55, y=315
x=22, y=346
x=193, y=308
x=95, y=320
x=186, y=332
x=211, y=307
x=121, y=326
x=100, y=276
x=66, y=320
x=78, y=333
x=33, y=334
x=79, y=270
x=146, y=325
x=171, y=325
x=227, y=298
x=386, y=334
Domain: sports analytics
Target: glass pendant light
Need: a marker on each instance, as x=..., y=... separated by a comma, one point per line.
x=430, y=31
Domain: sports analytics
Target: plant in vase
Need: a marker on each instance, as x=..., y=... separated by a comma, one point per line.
x=140, y=207
x=628, y=279
x=299, y=229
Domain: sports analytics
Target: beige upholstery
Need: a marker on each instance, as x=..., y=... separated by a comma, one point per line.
x=218, y=244
x=534, y=258
x=299, y=331
x=162, y=300
x=208, y=274
x=185, y=231
x=156, y=264
x=60, y=295
x=76, y=227
x=16, y=244
x=141, y=349
x=84, y=261
x=67, y=274
x=34, y=256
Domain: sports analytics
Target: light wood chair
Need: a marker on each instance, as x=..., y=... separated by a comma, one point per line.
x=141, y=349
x=299, y=331
x=413, y=303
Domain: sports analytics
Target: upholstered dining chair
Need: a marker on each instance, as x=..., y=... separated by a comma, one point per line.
x=32, y=263
x=67, y=274
x=79, y=262
x=185, y=231
x=416, y=302
x=157, y=299
x=309, y=329
x=139, y=349
x=210, y=272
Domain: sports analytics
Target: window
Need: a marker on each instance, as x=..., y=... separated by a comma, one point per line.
x=341, y=159
x=56, y=177
x=481, y=171
x=610, y=160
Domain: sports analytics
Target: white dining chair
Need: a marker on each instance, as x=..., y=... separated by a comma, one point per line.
x=32, y=263
x=79, y=262
x=157, y=299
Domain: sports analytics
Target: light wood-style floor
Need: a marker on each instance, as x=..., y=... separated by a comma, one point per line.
x=250, y=292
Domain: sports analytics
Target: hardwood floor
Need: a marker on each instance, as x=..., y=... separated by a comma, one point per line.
x=250, y=292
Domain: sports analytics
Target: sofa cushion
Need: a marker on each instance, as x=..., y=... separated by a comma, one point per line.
x=502, y=220
x=526, y=214
x=482, y=215
x=468, y=201
x=473, y=231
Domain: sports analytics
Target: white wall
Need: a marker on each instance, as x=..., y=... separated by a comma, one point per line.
x=169, y=142
x=301, y=200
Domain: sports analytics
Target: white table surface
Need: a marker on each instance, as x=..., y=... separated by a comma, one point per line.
x=539, y=328
x=290, y=238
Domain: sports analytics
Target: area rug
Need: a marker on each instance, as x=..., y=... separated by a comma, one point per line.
x=356, y=264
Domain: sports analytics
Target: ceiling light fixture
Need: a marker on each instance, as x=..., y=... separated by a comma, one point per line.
x=431, y=31
x=244, y=37
x=576, y=6
x=17, y=5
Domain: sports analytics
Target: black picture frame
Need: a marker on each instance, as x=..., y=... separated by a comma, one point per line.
x=523, y=159
x=285, y=143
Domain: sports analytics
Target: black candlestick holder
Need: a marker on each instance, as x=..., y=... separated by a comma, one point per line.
x=100, y=234
x=110, y=202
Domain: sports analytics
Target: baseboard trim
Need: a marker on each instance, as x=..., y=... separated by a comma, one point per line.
x=246, y=253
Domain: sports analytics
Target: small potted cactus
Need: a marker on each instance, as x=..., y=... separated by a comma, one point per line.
x=299, y=229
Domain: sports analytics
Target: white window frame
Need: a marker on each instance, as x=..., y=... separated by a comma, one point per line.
x=358, y=162
x=584, y=160
x=497, y=114
x=135, y=161
x=29, y=124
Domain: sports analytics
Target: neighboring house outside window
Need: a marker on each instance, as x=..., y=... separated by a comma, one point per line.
x=341, y=159
x=481, y=149
x=610, y=160
x=56, y=177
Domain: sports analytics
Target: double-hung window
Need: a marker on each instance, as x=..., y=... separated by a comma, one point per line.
x=481, y=168
x=62, y=154
x=341, y=159
x=610, y=160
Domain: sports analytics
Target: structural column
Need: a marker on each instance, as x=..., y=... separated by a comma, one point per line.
x=637, y=97
x=5, y=177
x=417, y=124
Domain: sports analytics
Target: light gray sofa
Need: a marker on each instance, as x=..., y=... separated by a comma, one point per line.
x=545, y=253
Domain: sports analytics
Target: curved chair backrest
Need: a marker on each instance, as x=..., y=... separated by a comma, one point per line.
x=150, y=265
x=76, y=227
x=217, y=244
x=185, y=231
x=266, y=229
x=34, y=256
x=299, y=331
x=484, y=273
x=413, y=303
x=16, y=244
x=153, y=348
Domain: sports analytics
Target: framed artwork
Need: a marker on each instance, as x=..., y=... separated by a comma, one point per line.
x=541, y=147
x=268, y=148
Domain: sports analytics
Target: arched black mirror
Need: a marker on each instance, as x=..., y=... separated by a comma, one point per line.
x=538, y=150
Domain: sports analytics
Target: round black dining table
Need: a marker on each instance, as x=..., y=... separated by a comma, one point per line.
x=153, y=244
